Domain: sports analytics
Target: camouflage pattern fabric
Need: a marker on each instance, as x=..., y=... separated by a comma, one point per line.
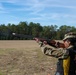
x=59, y=53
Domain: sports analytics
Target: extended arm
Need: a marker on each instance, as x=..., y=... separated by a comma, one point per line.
x=60, y=53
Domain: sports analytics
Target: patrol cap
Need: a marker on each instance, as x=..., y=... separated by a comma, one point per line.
x=71, y=35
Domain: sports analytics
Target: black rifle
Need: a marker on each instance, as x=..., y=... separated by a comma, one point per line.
x=49, y=41
x=22, y=35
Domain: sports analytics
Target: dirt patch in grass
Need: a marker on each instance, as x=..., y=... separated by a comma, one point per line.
x=24, y=58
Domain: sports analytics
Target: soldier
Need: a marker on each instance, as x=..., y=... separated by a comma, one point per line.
x=66, y=64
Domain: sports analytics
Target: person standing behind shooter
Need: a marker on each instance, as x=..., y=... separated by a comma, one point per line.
x=66, y=64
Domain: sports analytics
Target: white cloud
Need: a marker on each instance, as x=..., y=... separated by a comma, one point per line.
x=39, y=5
x=8, y=1
x=1, y=7
x=41, y=10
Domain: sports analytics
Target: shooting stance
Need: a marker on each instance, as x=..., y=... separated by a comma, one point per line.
x=66, y=56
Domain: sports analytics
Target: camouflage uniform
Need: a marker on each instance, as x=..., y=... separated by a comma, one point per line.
x=64, y=57
x=59, y=53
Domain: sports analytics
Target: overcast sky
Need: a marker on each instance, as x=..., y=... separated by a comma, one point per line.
x=45, y=12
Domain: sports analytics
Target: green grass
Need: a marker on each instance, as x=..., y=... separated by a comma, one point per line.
x=1, y=73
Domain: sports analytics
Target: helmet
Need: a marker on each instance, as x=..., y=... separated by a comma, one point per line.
x=71, y=35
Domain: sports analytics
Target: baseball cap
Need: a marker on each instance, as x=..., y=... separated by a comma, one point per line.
x=71, y=35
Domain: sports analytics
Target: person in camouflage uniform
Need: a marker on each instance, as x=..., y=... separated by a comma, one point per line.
x=66, y=64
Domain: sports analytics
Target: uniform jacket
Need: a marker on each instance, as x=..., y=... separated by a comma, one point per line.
x=66, y=64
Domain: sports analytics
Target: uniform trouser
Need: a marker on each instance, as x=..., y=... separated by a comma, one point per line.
x=57, y=73
x=59, y=68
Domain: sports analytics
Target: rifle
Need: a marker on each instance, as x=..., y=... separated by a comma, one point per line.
x=22, y=35
x=50, y=42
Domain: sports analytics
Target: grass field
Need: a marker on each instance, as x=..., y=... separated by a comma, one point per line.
x=24, y=58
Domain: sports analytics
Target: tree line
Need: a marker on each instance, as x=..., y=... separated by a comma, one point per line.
x=35, y=30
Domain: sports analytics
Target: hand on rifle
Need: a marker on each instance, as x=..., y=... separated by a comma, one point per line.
x=45, y=42
x=37, y=40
